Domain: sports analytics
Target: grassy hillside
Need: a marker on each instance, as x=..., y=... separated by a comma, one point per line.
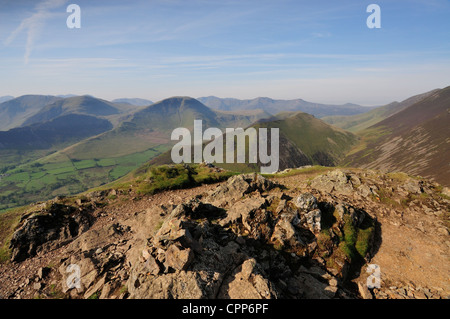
x=87, y=105
x=304, y=140
x=359, y=122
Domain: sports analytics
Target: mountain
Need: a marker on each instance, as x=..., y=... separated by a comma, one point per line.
x=86, y=105
x=133, y=101
x=101, y=156
x=414, y=140
x=276, y=106
x=358, y=122
x=6, y=98
x=15, y=112
x=63, y=129
x=152, y=126
x=303, y=140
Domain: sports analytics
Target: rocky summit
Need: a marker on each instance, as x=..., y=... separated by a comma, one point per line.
x=290, y=236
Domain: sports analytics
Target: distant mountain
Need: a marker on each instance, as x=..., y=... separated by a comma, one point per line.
x=66, y=95
x=86, y=104
x=73, y=152
x=414, y=140
x=133, y=101
x=276, y=106
x=355, y=123
x=152, y=126
x=63, y=129
x=6, y=98
x=15, y=112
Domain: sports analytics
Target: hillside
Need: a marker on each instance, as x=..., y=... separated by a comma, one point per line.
x=304, y=140
x=100, y=158
x=6, y=98
x=414, y=140
x=60, y=130
x=276, y=106
x=13, y=113
x=86, y=105
x=358, y=122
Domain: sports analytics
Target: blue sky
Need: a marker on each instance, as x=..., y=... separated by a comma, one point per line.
x=320, y=51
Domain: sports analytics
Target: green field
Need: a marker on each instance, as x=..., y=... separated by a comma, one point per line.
x=57, y=174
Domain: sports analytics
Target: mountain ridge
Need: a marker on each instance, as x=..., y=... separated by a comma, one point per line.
x=273, y=106
x=414, y=140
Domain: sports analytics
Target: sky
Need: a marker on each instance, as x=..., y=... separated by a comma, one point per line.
x=321, y=51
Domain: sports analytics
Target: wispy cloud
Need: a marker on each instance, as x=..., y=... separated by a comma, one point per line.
x=33, y=25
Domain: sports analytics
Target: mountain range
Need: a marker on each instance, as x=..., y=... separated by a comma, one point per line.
x=54, y=145
x=276, y=106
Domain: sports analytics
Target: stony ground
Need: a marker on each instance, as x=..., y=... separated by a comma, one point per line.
x=412, y=251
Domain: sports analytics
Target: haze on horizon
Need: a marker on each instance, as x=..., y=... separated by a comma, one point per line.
x=319, y=51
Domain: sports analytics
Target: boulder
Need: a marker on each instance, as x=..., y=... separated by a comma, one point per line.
x=238, y=186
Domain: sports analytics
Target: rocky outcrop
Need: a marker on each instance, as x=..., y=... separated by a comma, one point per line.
x=47, y=229
x=247, y=238
x=262, y=246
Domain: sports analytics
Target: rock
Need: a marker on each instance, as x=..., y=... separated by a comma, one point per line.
x=246, y=282
x=309, y=287
x=152, y=266
x=446, y=191
x=105, y=291
x=283, y=232
x=364, y=291
x=178, y=259
x=37, y=286
x=354, y=179
x=145, y=254
x=181, y=285
x=241, y=208
x=46, y=229
x=334, y=181
x=95, y=288
x=364, y=190
x=42, y=272
x=306, y=202
x=238, y=186
x=412, y=186
x=313, y=219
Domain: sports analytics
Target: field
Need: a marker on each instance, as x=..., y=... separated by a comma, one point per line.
x=58, y=174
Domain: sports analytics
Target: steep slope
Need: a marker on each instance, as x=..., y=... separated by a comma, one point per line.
x=276, y=106
x=358, y=122
x=15, y=112
x=415, y=140
x=302, y=133
x=86, y=104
